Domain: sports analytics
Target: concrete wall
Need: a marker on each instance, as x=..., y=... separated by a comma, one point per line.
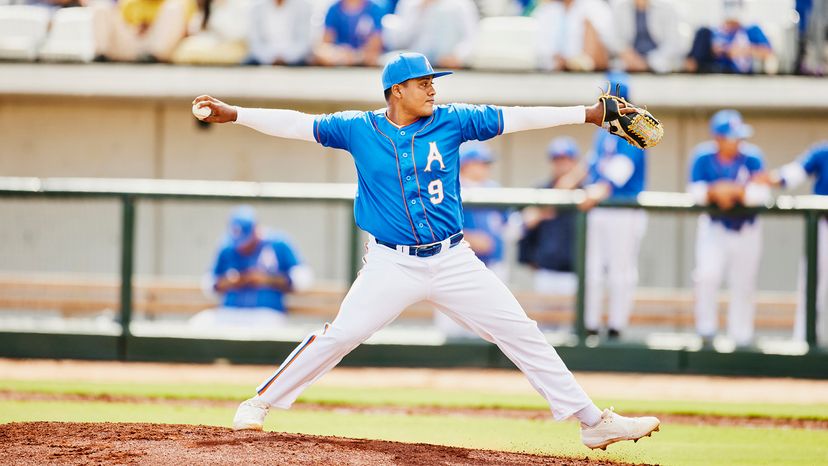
x=158, y=138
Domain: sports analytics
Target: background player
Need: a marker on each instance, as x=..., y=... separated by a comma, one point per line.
x=408, y=200
x=814, y=162
x=548, y=243
x=252, y=272
x=726, y=172
x=617, y=171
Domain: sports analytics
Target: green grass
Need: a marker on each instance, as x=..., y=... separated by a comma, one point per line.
x=674, y=445
x=413, y=397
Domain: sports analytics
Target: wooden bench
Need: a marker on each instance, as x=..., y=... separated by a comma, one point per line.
x=72, y=296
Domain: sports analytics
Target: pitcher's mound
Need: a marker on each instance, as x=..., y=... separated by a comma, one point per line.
x=161, y=444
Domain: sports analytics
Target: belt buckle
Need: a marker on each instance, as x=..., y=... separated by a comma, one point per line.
x=428, y=251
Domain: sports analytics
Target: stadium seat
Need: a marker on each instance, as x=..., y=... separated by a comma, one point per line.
x=72, y=36
x=22, y=30
x=506, y=43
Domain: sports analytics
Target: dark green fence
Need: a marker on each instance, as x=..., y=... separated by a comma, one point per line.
x=129, y=191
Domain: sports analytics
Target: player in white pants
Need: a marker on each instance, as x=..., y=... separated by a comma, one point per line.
x=617, y=171
x=814, y=162
x=408, y=200
x=727, y=172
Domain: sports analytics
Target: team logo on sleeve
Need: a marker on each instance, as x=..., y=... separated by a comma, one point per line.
x=434, y=155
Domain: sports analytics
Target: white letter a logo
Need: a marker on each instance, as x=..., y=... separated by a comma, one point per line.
x=434, y=155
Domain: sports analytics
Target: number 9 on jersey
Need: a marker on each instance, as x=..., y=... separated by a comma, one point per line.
x=435, y=188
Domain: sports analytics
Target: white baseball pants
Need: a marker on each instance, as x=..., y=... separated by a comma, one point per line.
x=457, y=283
x=822, y=289
x=613, y=241
x=720, y=251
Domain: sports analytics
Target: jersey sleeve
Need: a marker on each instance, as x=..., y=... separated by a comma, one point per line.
x=334, y=129
x=810, y=160
x=755, y=161
x=478, y=122
x=221, y=264
x=758, y=37
x=287, y=256
x=698, y=171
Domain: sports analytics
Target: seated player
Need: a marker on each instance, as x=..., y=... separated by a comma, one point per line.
x=253, y=271
x=442, y=30
x=733, y=47
x=353, y=34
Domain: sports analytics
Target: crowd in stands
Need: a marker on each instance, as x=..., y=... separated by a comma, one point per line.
x=660, y=36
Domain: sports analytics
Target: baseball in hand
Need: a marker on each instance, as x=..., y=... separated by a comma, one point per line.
x=202, y=112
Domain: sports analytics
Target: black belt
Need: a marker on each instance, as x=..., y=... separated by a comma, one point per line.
x=425, y=250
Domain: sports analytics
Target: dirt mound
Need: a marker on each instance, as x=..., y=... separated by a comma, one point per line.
x=162, y=444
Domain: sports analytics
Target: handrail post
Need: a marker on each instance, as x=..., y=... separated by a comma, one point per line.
x=127, y=262
x=811, y=251
x=580, y=270
x=353, y=254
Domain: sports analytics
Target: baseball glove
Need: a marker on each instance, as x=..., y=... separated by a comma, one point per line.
x=639, y=127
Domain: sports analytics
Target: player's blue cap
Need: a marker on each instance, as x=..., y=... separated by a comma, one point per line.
x=475, y=152
x=563, y=146
x=242, y=225
x=407, y=66
x=729, y=124
x=621, y=81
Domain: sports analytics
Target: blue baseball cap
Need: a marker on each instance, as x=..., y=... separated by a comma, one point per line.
x=729, y=124
x=475, y=152
x=407, y=66
x=621, y=81
x=242, y=225
x=563, y=146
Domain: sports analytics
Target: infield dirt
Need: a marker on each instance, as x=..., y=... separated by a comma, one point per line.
x=166, y=444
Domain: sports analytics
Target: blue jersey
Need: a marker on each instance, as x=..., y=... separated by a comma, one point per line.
x=273, y=255
x=490, y=222
x=742, y=36
x=815, y=163
x=354, y=28
x=708, y=168
x=605, y=148
x=408, y=187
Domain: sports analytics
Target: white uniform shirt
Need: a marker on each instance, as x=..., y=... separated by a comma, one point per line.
x=561, y=29
x=439, y=29
x=280, y=32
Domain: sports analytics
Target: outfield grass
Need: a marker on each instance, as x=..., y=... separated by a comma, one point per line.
x=413, y=397
x=674, y=445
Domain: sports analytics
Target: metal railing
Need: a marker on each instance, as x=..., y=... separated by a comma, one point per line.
x=129, y=191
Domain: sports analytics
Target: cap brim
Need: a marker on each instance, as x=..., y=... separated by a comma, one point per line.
x=433, y=75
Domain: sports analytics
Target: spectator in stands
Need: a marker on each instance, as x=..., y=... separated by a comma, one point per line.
x=252, y=272
x=279, y=32
x=549, y=234
x=647, y=36
x=442, y=30
x=803, y=9
x=732, y=47
x=727, y=172
x=353, y=34
x=141, y=30
x=574, y=35
x=617, y=172
x=215, y=36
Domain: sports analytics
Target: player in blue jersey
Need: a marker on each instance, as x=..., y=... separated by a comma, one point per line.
x=617, y=171
x=252, y=272
x=408, y=200
x=814, y=162
x=727, y=173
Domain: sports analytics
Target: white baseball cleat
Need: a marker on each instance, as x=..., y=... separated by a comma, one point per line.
x=250, y=415
x=615, y=428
